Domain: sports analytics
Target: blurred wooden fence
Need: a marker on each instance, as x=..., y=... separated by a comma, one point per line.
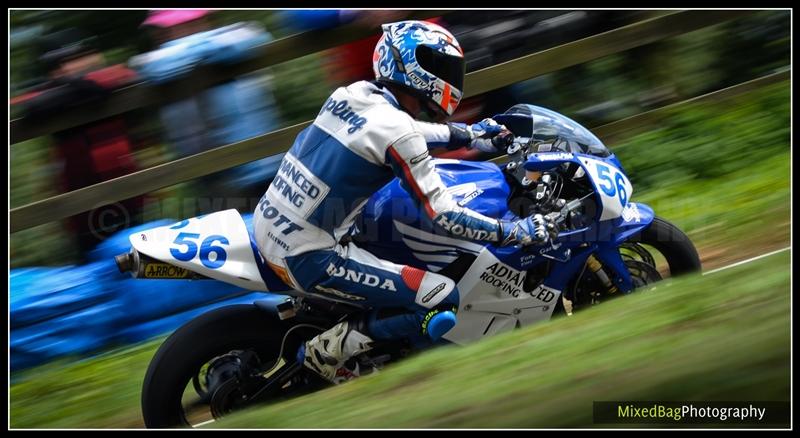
x=663, y=25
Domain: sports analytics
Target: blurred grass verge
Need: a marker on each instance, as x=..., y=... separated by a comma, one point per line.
x=723, y=336
x=102, y=392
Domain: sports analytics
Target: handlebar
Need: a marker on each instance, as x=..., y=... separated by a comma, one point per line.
x=501, y=142
x=545, y=190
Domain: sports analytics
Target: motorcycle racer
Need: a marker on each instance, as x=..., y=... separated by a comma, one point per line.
x=365, y=135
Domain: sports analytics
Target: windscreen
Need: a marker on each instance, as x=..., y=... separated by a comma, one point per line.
x=551, y=131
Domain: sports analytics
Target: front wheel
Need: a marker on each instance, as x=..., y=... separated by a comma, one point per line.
x=661, y=250
x=210, y=365
x=670, y=248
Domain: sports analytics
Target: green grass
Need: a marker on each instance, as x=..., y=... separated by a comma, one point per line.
x=101, y=392
x=723, y=336
x=745, y=209
x=720, y=171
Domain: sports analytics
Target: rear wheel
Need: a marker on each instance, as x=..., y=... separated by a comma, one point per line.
x=222, y=361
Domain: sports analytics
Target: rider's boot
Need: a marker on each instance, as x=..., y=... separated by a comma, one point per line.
x=331, y=353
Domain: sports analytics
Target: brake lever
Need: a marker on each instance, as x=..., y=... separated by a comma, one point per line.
x=567, y=208
x=542, y=188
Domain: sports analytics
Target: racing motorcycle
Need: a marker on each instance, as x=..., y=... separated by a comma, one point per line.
x=234, y=356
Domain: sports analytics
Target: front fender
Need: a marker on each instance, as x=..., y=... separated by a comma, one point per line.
x=635, y=217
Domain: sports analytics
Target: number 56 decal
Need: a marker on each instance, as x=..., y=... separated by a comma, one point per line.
x=612, y=186
x=616, y=187
x=207, y=248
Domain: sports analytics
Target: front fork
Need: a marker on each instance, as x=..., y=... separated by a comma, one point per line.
x=609, y=256
x=594, y=256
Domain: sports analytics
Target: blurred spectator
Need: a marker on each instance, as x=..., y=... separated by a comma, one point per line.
x=93, y=152
x=349, y=62
x=236, y=110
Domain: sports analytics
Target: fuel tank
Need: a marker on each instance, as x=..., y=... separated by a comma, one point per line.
x=392, y=227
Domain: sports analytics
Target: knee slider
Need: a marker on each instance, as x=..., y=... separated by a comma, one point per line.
x=433, y=289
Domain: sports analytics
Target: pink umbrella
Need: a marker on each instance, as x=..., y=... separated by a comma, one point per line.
x=172, y=17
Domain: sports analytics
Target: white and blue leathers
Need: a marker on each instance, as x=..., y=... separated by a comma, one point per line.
x=360, y=141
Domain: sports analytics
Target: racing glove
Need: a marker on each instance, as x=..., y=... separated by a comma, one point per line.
x=482, y=135
x=532, y=230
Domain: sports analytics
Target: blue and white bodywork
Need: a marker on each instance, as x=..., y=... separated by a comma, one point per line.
x=492, y=293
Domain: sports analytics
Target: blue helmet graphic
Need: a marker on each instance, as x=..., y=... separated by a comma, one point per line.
x=424, y=57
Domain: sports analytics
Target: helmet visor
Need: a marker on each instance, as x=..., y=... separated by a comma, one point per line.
x=447, y=67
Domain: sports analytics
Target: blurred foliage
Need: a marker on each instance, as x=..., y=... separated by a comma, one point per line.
x=300, y=88
x=743, y=213
x=656, y=74
x=720, y=170
x=703, y=141
x=47, y=244
x=731, y=330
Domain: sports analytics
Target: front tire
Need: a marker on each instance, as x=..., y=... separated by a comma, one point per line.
x=673, y=244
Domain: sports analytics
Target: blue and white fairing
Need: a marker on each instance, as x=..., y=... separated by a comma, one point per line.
x=393, y=228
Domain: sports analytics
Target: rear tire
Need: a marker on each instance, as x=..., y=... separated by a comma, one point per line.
x=214, y=333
